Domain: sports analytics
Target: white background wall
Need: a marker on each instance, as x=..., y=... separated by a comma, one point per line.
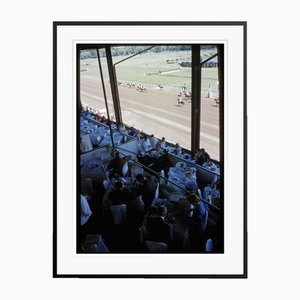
x=26, y=91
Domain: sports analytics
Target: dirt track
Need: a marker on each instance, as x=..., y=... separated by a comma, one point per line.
x=158, y=112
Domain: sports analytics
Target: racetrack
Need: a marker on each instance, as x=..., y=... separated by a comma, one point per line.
x=157, y=112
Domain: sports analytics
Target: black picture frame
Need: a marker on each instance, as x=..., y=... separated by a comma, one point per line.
x=57, y=24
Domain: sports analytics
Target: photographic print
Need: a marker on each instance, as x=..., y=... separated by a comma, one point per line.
x=150, y=149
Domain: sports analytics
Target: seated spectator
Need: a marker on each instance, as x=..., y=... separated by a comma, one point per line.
x=116, y=164
x=98, y=117
x=114, y=178
x=146, y=144
x=157, y=228
x=122, y=128
x=106, y=155
x=162, y=143
x=103, y=119
x=184, y=207
x=211, y=193
x=138, y=135
x=140, y=179
x=132, y=132
x=83, y=146
x=120, y=195
x=146, y=187
x=177, y=149
x=85, y=209
x=153, y=141
x=192, y=184
x=123, y=196
x=95, y=139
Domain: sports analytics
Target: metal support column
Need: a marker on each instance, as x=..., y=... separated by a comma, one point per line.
x=105, y=99
x=196, y=97
x=114, y=86
x=221, y=101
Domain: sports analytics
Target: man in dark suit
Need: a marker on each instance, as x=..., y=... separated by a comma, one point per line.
x=147, y=188
x=206, y=155
x=201, y=157
x=158, y=229
x=117, y=164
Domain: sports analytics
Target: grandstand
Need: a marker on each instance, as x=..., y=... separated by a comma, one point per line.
x=127, y=98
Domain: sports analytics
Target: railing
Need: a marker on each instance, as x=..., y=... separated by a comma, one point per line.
x=169, y=144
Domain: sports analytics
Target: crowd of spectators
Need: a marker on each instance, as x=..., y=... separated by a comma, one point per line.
x=157, y=219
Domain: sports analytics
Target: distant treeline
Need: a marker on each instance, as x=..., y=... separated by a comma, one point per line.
x=130, y=50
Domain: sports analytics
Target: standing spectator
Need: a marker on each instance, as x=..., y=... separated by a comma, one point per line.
x=198, y=153
x=117, y=164
x=207, y=157
x=199, y=221
x=201, y=157
x=147, y=188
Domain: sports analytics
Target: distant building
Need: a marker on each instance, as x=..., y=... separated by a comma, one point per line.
x=212, y=63
x=186, y=64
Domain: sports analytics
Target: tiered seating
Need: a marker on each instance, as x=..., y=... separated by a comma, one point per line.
x=182, y=179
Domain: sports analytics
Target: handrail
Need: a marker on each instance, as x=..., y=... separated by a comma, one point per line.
x=126, y=151
x=205, y=169
x=132, y=137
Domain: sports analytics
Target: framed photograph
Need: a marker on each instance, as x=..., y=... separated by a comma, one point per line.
x=150, y=149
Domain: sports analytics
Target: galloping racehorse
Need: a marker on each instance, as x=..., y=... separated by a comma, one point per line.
x=180, y=101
